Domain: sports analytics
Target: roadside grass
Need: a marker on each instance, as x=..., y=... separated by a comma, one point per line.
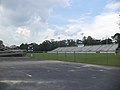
x=90, y=58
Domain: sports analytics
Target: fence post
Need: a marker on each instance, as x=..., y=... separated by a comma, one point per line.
x=107, y=57
x=31, y=55
x=74, y=57
x=57, y=55
x=65, y=55
x=86, y=57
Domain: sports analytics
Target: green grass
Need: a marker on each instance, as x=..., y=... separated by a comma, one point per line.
x=90, y=58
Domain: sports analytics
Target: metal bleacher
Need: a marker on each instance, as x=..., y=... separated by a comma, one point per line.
x=92, y=48
x=105, y=48
x=113, y=48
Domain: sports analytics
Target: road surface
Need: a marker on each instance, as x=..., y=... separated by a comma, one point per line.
x=36, y=74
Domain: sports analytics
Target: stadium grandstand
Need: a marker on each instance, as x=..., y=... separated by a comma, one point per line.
x=8, y=52
x=108, y=48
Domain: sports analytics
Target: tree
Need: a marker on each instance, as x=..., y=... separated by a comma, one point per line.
x=106, y=41
x=71, y=42
x=46, y=45
x=35, y=46
x=85, y=40
x=63, y=43
x=24, y=46
x=116, y=37
x=1, y=44
x=90, y=41
x=54, y=44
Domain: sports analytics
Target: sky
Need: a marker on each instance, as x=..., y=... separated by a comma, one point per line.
x=27, y=21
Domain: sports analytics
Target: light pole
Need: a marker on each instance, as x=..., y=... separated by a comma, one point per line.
x=106, y=40
x=59, y=41
x=82, y=34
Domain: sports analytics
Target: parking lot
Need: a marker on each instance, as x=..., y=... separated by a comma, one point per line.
x=38, y=74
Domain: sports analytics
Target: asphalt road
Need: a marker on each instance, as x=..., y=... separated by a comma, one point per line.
x=33, y=74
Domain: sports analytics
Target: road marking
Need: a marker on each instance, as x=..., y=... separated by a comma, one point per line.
x=71, y=70
x=77, y=67
x=23, y=81
x=94, y=77
x=29, y=75
x=101, y=70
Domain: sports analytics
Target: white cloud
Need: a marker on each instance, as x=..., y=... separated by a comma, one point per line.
x=23, y=32
x=113, y=5
x=102, y=25
x=1, y=9
x=26, y=20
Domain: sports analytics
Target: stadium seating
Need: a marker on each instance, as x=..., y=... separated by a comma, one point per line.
x=113, y=48
x=90, y=49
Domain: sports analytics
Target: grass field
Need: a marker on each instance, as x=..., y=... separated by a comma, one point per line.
x=90, y=58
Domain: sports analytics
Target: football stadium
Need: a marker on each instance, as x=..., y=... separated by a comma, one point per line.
x=96, y=54
x=59, y=44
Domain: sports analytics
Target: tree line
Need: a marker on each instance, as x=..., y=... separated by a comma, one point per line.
x=49, y=45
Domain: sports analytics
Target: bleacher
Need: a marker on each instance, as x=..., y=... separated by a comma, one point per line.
x=90, y=49
x=94, y=48
x=113, y=48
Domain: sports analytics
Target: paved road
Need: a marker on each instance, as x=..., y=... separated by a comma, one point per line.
x=33, y=74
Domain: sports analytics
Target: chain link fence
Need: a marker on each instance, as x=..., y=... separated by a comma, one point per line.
x=91, y=58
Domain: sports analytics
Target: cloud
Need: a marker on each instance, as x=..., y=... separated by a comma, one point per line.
x=26, y=20
x=102, y=26
x=113, y=5
x=71, y=29
x=23, y=32
x=21, y=12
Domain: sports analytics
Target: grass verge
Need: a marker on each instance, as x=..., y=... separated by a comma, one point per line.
x=90, y=58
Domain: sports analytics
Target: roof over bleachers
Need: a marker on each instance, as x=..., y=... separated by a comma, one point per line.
x=92, y=48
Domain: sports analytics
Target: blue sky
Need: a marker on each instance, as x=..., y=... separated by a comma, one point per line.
x=26, y=21
x=77, y=9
